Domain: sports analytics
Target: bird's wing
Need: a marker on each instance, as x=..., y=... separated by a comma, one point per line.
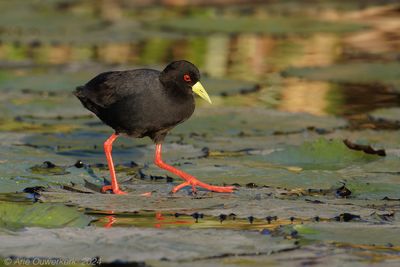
x=109, y=87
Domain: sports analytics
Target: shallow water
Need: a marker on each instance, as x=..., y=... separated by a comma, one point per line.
x=289, y=83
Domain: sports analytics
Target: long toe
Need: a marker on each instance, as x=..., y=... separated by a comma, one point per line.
x=213, y=188
x=119, y=192
x=106, y=188
x=114, y=191
x=221, y=189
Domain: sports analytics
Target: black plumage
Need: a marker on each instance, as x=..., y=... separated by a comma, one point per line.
x=142, y=102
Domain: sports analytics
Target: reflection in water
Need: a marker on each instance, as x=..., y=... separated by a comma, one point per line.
x=244, y=56
x=195, y=221
x=216, y=58
x=111, y=220
x=158, y=221
x=318, y=50
x=301, y=96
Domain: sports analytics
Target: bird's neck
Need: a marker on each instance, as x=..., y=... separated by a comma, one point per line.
x=176, y=92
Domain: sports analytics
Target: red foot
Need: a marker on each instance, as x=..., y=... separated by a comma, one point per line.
x=189, y=179
x=196, y=183
x=115, y=191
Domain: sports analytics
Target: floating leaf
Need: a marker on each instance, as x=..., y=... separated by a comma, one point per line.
x=365, y=73
x=271, y=25
x=320, y=154
x=14, y=215
x=354, y=233
x=134, y=244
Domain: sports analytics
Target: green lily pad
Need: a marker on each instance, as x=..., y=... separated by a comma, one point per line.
x=44, y=81
x=391, y=114
x=320, y=154
x=48, y=168
x=354, y=233
x=365, y=73
x=134, y=244
x=14, y=215
x=222, y=121
x=271, y=25
x=46, y=23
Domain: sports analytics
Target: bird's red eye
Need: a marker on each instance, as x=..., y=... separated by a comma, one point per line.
x=186, y=77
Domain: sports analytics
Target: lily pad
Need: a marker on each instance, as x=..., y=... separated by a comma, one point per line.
x=259, y=203
x=133, y=244
x=321, y=154
x=391, y=114
x=252, y=121
x=15, y=215
x=354, y=233
x=271, y=25
x=30, y=23
x=364, y=73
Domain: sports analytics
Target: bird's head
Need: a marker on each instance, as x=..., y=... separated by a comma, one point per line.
x=185, y=77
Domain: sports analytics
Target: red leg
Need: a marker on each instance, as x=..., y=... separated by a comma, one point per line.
x=114, y=183
x=189, y=179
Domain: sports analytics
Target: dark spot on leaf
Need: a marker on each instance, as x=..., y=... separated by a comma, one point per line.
x=387, y=217
x=391, y=199
x=48, y=168
x=251, y=185
x=365, y=148
x=347, y=217
x=79, y=164
x=315, y=201
x=265, y=232
x=232, y=216
x=343, y=191
x=34, y=189
x=142, y=175
x=133, y=164
x=196, y=216
x=48, y=165
x=294, y=234
x=222, y=217
x=205, y=151
x=251, y=219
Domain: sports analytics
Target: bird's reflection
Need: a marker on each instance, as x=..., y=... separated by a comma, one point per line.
x=159, y=221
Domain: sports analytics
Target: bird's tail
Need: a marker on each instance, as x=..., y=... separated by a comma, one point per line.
x=79, y=92
x=86, y=102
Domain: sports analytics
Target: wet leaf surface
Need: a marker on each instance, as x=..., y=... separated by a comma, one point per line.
x=356, y=233
x=287, y=88
x=14, y=216
x=365, y=73
x=134, y=244
x=271, y=25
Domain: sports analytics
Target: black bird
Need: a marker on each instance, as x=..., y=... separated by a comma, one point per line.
x=146, y=102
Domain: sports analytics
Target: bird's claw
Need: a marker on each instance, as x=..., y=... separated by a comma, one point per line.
x=196, y=183
x=116, y=191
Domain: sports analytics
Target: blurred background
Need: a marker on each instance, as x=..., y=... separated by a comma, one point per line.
x=319, y=57
x=289, y=81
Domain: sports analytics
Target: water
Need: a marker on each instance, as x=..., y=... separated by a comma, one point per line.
x=288, y=81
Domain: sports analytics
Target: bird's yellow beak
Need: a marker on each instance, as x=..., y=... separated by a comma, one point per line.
x=199, y=90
